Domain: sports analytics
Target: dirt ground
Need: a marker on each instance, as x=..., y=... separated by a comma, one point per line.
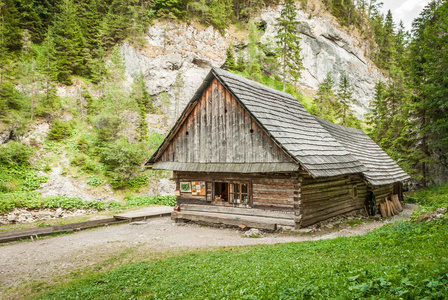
x=46, y=258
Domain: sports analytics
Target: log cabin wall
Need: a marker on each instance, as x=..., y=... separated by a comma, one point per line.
x=219, y=130
x=384, y=191
x=324, y=198
x=276, y=192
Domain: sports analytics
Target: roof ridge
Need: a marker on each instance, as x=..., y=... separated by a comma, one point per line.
x=260, y=85
x=322, y=151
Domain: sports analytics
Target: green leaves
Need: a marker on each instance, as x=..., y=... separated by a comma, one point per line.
x=288, y=43
x=15, y=154
x=385, y=264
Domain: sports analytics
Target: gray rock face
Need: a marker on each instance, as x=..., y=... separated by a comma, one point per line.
x=5, y=136
x=327, y=49
x=172, y=49
x=185, y=49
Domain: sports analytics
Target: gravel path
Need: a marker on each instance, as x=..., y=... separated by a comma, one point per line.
x=46, y=258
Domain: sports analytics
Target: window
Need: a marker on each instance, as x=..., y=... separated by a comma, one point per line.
x=239, y=193
x=236, y=193
x=221, y=192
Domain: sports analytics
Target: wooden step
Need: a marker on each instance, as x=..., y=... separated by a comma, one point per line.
x=232, y=219
x=15, y=235
x=237, y=211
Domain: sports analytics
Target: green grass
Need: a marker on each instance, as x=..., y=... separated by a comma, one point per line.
x=435, y=196
x=402, y=261
x=32, y=200
x=428, y=199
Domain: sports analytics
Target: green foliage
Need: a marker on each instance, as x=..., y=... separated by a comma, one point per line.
x=342, y=268
x=254, y=60
x=150, y=200
x=10, y=99
x=288, y=43
x=35, y=201
x=326, y=103
x=60, y=130
x=122, y=160
x=15, y=154
x=434, y=197
x=230, y=63
x=171, y=9
x=107, y=128
x=95, y=181
x=214, y=12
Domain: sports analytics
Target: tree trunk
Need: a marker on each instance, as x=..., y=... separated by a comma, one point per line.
x=284, y=66
x=424, y=148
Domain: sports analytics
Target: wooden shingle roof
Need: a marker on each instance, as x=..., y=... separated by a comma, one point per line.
x=322, y=148
x=292, y=127
x=381, y=169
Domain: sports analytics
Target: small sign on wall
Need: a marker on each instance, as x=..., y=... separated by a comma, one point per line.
x=198, y=188
x=185, y=187
x=177, y=193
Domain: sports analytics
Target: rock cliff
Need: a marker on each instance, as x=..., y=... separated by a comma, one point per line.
x=191, y=51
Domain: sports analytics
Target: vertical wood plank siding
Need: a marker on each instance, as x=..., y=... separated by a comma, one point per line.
x=221, y=131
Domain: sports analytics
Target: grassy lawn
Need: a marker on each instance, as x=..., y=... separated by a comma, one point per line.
x=405, y=260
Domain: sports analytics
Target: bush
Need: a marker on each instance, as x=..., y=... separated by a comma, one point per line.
x=15, y=154
x=78, y=160
x=60, y=130
x=95, y=181
x=108, y=128
x=122, y=161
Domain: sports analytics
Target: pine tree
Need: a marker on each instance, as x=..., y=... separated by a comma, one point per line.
x=345, y=97
x=288, y=42
x=254, y=58
x=230, y=64
x=69, y=42
x=143, y=99
x=326, y=99
x=49, y=69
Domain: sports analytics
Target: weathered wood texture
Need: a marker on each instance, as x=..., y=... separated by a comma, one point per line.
x=14, y=235
x=324, y=198
x=219, y=130
x=382, y=192
x=277, y=192
x=232, y=220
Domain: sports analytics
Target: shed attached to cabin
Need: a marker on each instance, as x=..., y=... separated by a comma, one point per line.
x=246, y=154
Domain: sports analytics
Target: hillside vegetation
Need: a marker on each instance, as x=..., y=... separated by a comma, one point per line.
x=57, y=47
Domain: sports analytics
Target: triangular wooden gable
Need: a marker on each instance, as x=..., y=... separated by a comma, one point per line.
x=218, y=130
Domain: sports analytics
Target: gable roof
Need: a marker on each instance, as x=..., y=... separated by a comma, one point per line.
x=381, y=169
x=292, y=127
x=287, y=122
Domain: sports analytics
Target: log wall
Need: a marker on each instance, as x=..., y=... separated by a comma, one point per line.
x=385, y=191
x=324, y=198
x=278, y=192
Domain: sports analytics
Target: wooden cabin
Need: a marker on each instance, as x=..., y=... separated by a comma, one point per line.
x=246, y=154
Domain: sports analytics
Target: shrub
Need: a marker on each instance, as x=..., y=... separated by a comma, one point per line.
x=122, y=161
x=95, y=181
x=60, y=130
x=78, y=160
x=15, y=154
x=108, y=128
